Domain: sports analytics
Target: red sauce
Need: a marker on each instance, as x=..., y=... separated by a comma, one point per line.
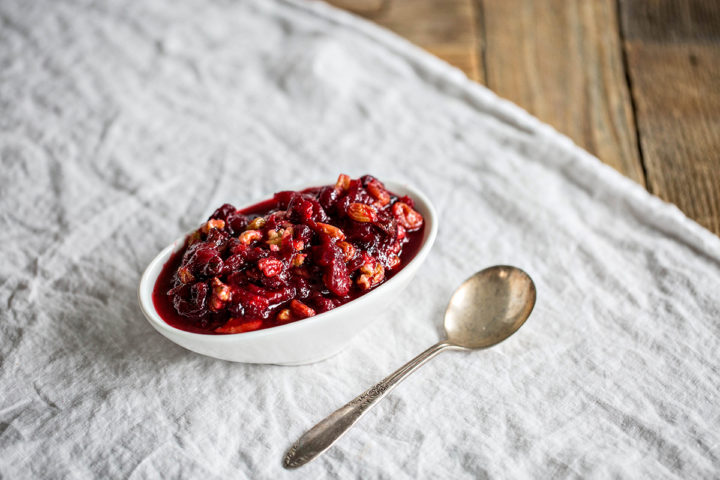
x=290, y=257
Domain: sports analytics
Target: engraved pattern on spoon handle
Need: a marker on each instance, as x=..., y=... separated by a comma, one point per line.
x=321, y=437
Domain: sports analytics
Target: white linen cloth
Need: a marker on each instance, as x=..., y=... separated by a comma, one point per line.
x=125, y=124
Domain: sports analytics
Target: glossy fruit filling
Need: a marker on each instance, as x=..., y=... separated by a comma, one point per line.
x=293, y=256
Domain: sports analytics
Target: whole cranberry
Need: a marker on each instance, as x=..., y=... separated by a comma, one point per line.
x=204, y=260
x=191, y=301
x=255, y=306
x=365, y=179
x=275, y=282
x=281, y=295
x=387, y=223
x=364, y=233
x=323, y=304
x=328, y=197
x=217, y=238
x=254, y=254
x=223, y=212
x=285, y=198
x=304, y=233
x=300, y=209
x=236, y=223
x=326, y=252
x=302, y=287
x=233, y=263
x=319, y=214
x=358, y=194
x=336, y=279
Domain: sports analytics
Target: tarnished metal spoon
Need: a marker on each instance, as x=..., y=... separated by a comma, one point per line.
x=486, y=309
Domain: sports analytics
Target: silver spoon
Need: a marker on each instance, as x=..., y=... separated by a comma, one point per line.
x=486, y=309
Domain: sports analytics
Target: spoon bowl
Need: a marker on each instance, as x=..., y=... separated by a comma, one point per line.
x=489, y=307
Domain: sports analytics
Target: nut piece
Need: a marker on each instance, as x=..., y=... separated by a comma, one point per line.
x=343, y=183
x=298, y=259
x=221, y=293
x=348, y=250
x=362, y=213
x=270, y=266
x=334, y=232
x=249, y=236
x=184, y=275
x=284, y=316
x=212, y=224
x=277, y=237
x=406, y=216
x=372, y=272
x=256, y=223
x=221, y=290
x=378, y=192
x=300, y=309
x=274, y=240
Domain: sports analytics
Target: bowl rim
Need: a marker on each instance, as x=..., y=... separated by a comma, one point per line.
x=147, y=280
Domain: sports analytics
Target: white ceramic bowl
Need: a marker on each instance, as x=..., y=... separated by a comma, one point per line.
x=304, y=341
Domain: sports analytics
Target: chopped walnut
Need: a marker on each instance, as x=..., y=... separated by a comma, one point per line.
x=256, y=223
x=371, y=273
x=406, y=216
x=298, y=259
x=330, y=230
x=378, y=192
x=343, y=183
x=284, y=316
x=348, y=250
x=221, y=294
x=211, y=225
x=362, y=213
x=249, y=236
x=184, y=275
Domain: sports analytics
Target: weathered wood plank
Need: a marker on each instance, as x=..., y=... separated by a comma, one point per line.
x=464, y=57
x=669, y=21
x=445, y=29
x=673, y=56
x=562, y=61
x=361, y=7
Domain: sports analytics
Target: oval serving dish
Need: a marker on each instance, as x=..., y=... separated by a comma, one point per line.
x=304, y=341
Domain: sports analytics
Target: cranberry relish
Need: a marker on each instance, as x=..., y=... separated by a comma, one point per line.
x=288, y=258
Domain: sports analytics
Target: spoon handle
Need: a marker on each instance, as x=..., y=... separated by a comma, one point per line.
x=320, y=437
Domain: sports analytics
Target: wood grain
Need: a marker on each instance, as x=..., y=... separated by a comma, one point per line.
x=366, y=8
x=562, y=61
x=445, y=29
x=673, y=57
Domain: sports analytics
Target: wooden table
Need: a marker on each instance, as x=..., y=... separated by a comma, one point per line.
x=635, y=82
